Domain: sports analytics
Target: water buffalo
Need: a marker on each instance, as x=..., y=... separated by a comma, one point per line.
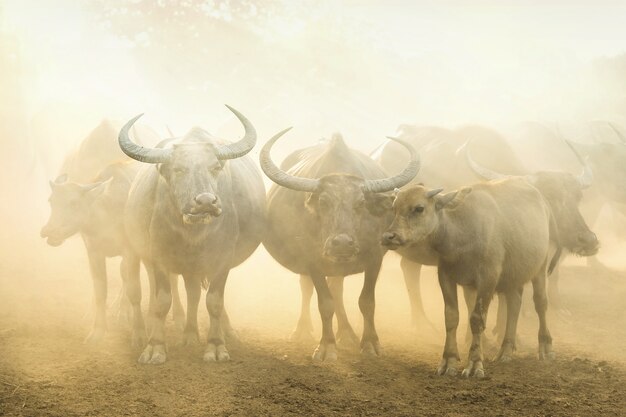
x=93, y=210
x=442, y=166
x=563, y=192
x=493, y=236
x=198, y=210
x=325, y=216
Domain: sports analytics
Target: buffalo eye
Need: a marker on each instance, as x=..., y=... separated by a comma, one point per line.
x=417, y=209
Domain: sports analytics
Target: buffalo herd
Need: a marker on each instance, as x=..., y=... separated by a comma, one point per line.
x=464, y=200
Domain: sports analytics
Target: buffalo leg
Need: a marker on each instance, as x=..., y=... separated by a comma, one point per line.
x=478, y=319
x=326, y=350
x=216, y=346
x=132, y=285
x=192, y=287
x=469, y=294
x=304, y=328
x=541, y=306
x=178, y=312
x=513, y=304
x=412, y=272
x=370, y=344
x=155, y=353
x=451, y=357
x=345, y=333
x=97, y=264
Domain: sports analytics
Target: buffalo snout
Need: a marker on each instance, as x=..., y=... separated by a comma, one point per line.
x=392, y=240
x=341, y=247
x=589, y=243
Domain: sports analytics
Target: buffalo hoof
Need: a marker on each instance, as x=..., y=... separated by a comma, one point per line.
x=371, y=349
x=215, y=353
x=302, y=335
x=546, y=352
x=505, y=354
x=95, y=336
x=474, y=369
x=190, y=338
x=325, y=353
x=346, y=337
x=448, y=367
x=153, y=355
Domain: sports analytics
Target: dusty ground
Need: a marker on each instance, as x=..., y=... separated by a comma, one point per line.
x=46, y=370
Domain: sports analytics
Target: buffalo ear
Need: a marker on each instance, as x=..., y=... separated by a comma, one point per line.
x=96, y=189
x=378, y=203
x=61, y=179
x=452, y=199
x=312, y=202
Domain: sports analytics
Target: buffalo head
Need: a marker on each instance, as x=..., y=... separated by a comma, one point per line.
x=192, y=168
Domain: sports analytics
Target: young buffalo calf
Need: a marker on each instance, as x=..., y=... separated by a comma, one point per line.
x=494, y=236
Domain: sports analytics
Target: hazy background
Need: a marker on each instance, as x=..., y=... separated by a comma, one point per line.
x=359, y=67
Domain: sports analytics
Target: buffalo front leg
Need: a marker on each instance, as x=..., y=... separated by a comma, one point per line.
x=541, y=306
x=370, y=344
x=478, y=320
x=216, y=346
x=192, y=287
x=326, y=350
x=97, y=265
x=513, y=298
x=155, y=352
x=450, y=359
x=304, y=328
x=132, y=285
x=345, y=334
x=178, y=313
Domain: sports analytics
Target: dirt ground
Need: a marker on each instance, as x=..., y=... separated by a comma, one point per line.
x=45, y=369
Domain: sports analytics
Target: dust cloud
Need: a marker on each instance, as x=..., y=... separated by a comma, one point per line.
x=361, y=68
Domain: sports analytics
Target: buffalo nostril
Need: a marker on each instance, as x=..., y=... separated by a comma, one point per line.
x=205, y=199
x=389, y=236
x=587, y=238
x=342, y=240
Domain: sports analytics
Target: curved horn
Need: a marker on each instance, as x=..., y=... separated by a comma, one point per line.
x=619, y=134
x=388, y=184
x=586, y=177
x=279, y=176
x=480, y=170
x=244, y=145
x=140, y=153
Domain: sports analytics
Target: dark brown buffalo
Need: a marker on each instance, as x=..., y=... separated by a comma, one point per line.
x=325, y=216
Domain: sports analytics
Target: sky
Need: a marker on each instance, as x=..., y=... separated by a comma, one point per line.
x=360, y=67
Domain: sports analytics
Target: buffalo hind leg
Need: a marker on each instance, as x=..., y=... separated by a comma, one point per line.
x=178, y=312
x=345, y=334
x=541, y=306
x=370, y=345
x=216, y=346
x=192, y=288
x=513, y=304
x=304, y=328
x=132, y=285
x=448, y=364
x=327, y=349
x=412, y=272
x=155, y=352
x=97, y=264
